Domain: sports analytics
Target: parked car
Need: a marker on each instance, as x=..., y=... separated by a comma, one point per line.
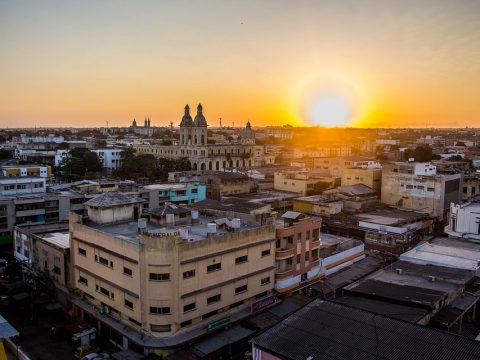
x=3, y=265
x=83, y=350
x=96, y=356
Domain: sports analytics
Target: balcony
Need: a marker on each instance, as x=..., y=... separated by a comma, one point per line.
x=315, y=244
x=284, y=274
x=281, y=254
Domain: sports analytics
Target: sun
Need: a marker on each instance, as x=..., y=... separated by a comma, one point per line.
x=329, y=108
x=331, y=103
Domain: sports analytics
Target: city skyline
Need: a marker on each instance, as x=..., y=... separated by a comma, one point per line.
x=374, y=64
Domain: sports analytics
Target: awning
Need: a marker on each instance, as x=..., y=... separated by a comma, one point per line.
x=6, y=330
x=219, y=340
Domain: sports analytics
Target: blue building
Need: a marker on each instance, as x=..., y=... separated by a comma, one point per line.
x=158, y=194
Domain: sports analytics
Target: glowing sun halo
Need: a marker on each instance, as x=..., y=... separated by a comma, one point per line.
x=332, y=104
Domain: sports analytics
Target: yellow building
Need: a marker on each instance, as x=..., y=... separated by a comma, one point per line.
x=44, y=171
x=318, y=204
x=164, y=279
x=357, y=175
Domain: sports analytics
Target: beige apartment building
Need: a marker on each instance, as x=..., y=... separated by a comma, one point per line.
x=162, y=280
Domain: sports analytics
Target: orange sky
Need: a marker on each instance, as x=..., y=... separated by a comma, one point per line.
x=384, y=63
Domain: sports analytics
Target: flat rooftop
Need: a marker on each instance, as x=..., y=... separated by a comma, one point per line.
x=317, y=199
x=443, y=254
x=164, y=187
x=390, y=216
x=61, y=239
x=229, y=204
x=331, y=239
x=196, y=232
x=265, y=196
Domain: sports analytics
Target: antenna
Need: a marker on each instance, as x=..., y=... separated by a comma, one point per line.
x=220, y=122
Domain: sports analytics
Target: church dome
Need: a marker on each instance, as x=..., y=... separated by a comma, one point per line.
x=200, y=120
x=186, y=119
x=248, y=133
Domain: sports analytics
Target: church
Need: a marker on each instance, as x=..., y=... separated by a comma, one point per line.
x=194, y=146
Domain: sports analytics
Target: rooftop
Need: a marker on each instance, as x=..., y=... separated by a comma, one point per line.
x=164, y=187
x=444, y=254
x=390, y=216
x=192, y=232
x=60, y=239
x=356, y=190
x=326, y=330
x=112, y=198
x=229, y=204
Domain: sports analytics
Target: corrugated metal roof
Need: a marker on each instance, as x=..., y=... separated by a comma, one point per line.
x=326, y=330
x=6, y=330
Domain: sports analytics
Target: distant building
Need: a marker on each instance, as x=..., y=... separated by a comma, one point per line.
x=417, y=186
x=357, y=175
x=21, y=185
x=10, y=170
x=203, y=155
x=46, y=249
x=111, y=158
x=463, y=221
x=334, y=166
x=322, y=205
x=301, y=182
x=157, y=195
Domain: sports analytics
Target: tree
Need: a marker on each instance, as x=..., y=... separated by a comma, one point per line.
x=63, y=146
x=422, y=153
x=81, y=163
x=5, y=154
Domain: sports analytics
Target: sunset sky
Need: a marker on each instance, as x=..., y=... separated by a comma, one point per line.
x=377, y=63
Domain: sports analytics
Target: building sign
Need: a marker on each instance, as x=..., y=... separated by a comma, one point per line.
x=263, y=303
x=218, y=323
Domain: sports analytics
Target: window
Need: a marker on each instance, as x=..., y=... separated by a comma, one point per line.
x=241, y=289
x=265, y=280
x=307, y=255
x=188, y=274
x=128, y=304
x=261, y=295
x=241, y=259
x=235, y=304
x=430, y=189
x=135, y=321
x=101, y=260
x=189, y=307
x=127, y=271
x=265, y=252
x=159, y=277
x=160, y=310
x=103, y=291
x=83, y=280
x=210, y=314
x=409, y=186
x=307, y=236
x=214, y=267
x=298, y=259
x=82, y=252
x=194, y=191
x=186, y=323
x=299, y=236
x=214, y=299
